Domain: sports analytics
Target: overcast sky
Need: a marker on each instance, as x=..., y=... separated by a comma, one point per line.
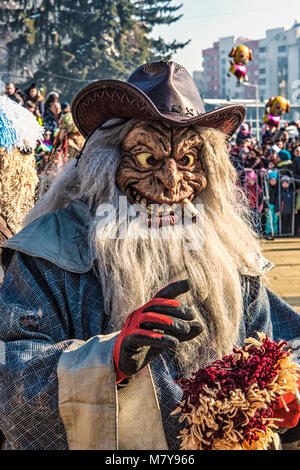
x=205, y=21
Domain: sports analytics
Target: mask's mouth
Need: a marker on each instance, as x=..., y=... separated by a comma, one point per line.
x=160, y=213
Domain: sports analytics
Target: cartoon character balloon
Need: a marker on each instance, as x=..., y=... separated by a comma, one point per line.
x=241, y=55
x=275, y=108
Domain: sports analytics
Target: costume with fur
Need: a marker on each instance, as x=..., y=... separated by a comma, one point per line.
x=65, y=299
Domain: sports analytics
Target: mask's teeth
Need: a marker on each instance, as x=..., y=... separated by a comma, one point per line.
x=143, y=202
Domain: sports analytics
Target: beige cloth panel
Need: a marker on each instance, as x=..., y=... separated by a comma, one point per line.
x=87, y=395
x=94, y=414
x=140, y=424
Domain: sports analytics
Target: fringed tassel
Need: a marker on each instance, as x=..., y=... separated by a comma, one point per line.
x=229, y=404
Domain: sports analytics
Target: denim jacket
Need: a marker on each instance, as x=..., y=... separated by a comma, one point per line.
x=57, y=379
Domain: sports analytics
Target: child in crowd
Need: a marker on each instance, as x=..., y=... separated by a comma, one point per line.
x=285, y=205
x=271, y=227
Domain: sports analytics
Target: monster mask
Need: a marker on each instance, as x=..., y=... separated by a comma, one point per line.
x=161, y=168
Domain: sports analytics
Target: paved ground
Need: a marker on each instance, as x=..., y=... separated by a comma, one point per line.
x=285, y=277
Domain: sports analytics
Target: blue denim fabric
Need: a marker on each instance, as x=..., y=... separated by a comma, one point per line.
x=44, y=308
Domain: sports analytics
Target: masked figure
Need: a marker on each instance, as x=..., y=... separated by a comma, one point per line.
x=138, y=266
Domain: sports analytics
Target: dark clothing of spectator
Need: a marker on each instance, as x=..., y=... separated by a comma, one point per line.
x=37, y=99
x=237, y=162
x=273, y=194
x=286, y=224
x=285, y=201
x=295, y=168
x=258, y=164
x=50, y=123
x=16, y=97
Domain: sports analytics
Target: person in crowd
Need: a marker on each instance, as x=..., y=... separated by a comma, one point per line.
x=79, y=346
x=295, y=168
x=53, y=116
x=255, y=202
x=243, y=133
x=31, y=106
x=65, y=107
x=33, y=94
x=256, y=159
x=285, y=160
x=271, y=226
x=13, y=93
x=285, y=205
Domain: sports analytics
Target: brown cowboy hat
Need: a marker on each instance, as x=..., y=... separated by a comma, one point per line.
x=158, y=90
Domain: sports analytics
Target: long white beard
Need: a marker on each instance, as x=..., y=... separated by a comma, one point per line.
x=132, y=270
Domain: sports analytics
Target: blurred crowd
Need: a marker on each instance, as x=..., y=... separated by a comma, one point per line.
x=62, y=139
x=269, y=173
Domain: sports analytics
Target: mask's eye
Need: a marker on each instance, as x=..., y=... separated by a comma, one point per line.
x=187, y=161
x=146, y=159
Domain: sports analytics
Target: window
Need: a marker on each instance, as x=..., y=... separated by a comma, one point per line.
x=262, y=71
x=281, y=48
x=282, y=75
x=262, y=81
x=262, y=49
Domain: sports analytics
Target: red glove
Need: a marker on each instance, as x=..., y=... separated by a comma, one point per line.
x=139, y=341
x=289, y=418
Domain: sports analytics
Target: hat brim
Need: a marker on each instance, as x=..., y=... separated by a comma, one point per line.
x=103, y=100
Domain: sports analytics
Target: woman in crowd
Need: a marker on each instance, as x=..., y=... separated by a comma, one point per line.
x=33, y=94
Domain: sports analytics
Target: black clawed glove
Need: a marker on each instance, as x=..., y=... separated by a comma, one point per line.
x=160, y=324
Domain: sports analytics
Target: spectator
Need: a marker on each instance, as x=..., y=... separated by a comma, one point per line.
x=31, y=106
x=271, y=227
x=243, y=133
x=297, y=215
x=285, y=159
x=285, y=205
x=52, y=116
x=65, y=107
x=295, y=168
x=33, y=94
x=13, y=93
x=254, y=195
x=51, y=98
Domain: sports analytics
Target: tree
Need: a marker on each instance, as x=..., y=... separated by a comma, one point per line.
x=86, y=40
